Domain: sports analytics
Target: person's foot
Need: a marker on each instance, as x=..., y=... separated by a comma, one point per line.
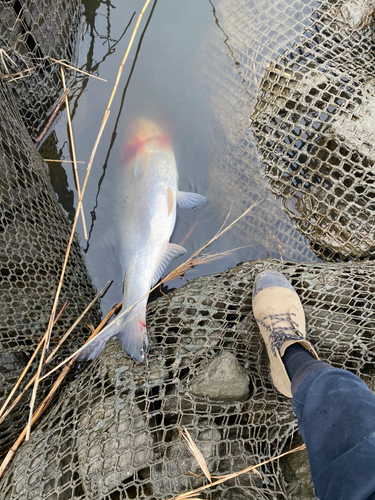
x=279, y=314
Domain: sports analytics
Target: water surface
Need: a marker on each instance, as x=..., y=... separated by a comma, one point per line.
x=195, y=69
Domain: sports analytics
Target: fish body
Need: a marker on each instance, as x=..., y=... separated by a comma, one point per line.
x=145, y=219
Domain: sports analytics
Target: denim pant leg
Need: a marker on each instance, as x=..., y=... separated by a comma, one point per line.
x=336, y=417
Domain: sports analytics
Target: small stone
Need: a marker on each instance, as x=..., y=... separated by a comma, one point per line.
x=222, y=379
x=123, y=371
x=11, y=362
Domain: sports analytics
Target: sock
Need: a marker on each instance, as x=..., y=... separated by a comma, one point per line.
x=299, y=363
x=294, y=357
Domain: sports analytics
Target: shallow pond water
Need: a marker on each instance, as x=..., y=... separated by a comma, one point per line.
x=194, y=69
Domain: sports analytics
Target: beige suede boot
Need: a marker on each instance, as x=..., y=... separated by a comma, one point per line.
x=279, y=314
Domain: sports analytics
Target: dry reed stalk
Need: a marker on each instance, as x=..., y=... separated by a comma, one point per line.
x=88, y=307
x=27, y=368
x=62, y=161
x=56, y=348
x=40, y=137
x=94, y=334
x=17, y=78
x=37, y=375
x=19, y=73
x=72, y=145
x=192, y=496
x=188, y=494
x=105, y=320
x=43, y=406
x=63, y=63
x=4, y=55
x=179, y=270
x=88, y=170
x=195, y=451
x=203, y=259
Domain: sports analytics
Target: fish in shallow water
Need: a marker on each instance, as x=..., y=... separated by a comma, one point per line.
x=147, y=209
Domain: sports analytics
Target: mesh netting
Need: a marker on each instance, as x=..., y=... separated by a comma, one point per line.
x=112, y=433
x=314, y=125
x=246, y=36
x=31, y=33
x=33, y=238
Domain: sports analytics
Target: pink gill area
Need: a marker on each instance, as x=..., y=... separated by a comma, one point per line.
x=131, y=148
x=142, y=324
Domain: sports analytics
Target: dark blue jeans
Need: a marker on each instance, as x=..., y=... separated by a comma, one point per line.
x=336, y=417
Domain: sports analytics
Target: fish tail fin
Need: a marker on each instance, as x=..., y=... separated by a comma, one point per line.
x=133, y=335
x=97, y=344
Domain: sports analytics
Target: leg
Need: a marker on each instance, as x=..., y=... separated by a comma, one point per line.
x=336, y=417
x=335, y=409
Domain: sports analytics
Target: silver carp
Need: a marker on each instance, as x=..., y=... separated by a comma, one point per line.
x=146, y=218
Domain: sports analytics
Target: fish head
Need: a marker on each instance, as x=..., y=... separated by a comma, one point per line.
x=146, y=138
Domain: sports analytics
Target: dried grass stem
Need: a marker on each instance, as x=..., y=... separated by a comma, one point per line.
x=227, y=477
x=72, y=145
x=63, y=97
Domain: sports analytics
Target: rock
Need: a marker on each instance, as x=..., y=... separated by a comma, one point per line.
x=222, y=379
x=357, y=14
x=297, y=473
x=113, y=441
x=11, y=362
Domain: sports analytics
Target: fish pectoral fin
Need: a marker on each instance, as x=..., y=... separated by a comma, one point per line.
x=140, y=164
x=169, y=252
x=189, y=200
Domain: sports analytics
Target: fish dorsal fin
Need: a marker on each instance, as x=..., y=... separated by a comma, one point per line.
x=189, y=200
x=140, y=164
x=169, y=252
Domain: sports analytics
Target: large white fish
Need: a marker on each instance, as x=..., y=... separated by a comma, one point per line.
x=148, y=215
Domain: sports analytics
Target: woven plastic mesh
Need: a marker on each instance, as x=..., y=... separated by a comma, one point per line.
x=302, y=74
x=33, y=238
x=112, y=433
x=246, y=36
x=31, y=33
x=314, y=128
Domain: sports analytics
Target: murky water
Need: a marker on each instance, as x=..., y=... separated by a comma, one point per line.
x=177, y=75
